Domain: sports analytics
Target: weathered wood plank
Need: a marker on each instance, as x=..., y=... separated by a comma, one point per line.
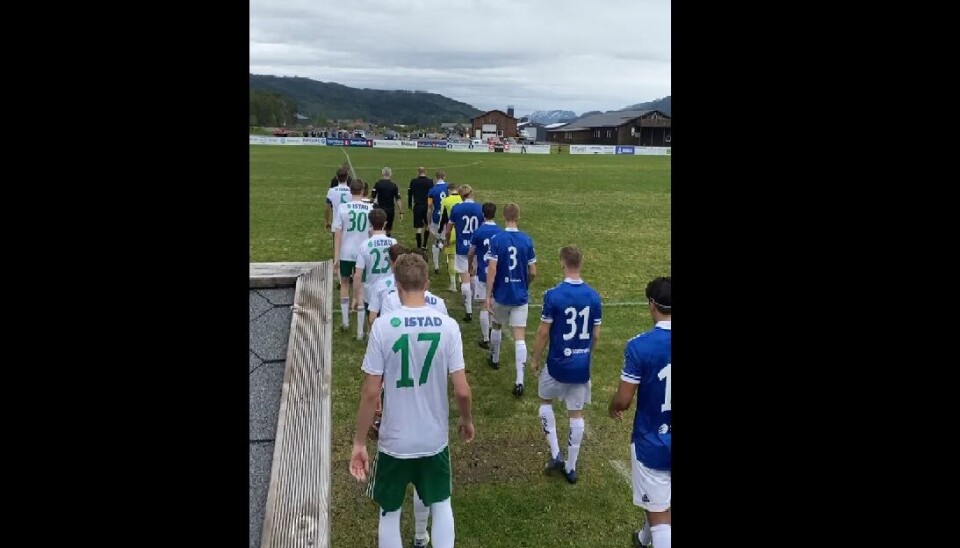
x=298, y=501
x=278, y=274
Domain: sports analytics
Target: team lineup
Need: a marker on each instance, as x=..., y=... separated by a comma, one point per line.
x=414, y=345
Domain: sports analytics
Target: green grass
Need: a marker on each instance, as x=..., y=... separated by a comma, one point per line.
x=617, y=209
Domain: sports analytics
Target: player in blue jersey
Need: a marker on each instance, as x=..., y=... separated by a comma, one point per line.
x=466, y=219
x=434, y=197
x=571, y=320
x=511, y=268
x=479, y=246
x=646, y=372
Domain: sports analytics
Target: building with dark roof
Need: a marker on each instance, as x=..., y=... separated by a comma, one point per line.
x=495, y=123
x=625, y=127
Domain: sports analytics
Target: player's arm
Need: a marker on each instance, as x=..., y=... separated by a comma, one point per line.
x=629, y=381
x=338, y=233
x=409, y=196
x=491, y=281
x=461, y=388
x=373, y=193
x=328, y=213
x=429, y=206
x=597, y=318
x=369, y=398
x=540, y=343
x=470, y=254
x=531, y=273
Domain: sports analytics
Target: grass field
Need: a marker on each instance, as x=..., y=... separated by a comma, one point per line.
x=617, y=209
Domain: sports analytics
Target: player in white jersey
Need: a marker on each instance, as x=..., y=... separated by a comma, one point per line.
x=373, y=263
x=385, y=285
x=410, y=354
x=391, y=302
x=350, y=228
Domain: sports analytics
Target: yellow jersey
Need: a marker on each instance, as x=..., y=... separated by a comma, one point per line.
x=446, y=206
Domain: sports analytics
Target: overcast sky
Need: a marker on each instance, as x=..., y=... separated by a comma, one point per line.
x=534, y=54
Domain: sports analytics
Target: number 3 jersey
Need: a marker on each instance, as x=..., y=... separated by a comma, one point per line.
x=414, y=349
x=573, y=309
x=646, y=362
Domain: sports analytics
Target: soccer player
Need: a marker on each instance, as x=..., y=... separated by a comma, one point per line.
x=384, y=285
x=336, y=179
x=511, y=268
x=465, y=219
x=436, y=196
x=410, y=354
x=646, y=373
x=479, y=246
x=418, y=201
x=387, y=195
x=373, y=263
x=452, y=199
x=338, y=194
x=571, y=320
x=350, y=228
x=391, y=301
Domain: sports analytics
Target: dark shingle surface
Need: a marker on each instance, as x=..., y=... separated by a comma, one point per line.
x=254, y=362
x=261, y=458
x=269, y=334
x=278, y=297
x=266, y=385
x=258, y=305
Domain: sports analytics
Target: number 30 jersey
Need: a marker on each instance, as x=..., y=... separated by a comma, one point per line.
x=646, y=362
x=415, y=350
x=351, y=219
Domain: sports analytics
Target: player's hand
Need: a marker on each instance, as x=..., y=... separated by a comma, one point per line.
x=466, y=431
x=488, y=305
x=535, y=366
x=616, y=414
x=328, y=226
x=336, y=265
x=359, y=462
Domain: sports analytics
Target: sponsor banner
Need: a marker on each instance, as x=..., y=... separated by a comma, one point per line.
x=315, y=141
x=465, y=147
x=652, y=151
x=349, y=142
x=408, y=144
x=625, y=149
x=529, y=149
x=264, y=140
x=593, y=149
x=386, y=143
x=431, y=143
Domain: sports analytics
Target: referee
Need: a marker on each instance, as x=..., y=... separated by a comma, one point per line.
x=387, y=196
x=417, y=202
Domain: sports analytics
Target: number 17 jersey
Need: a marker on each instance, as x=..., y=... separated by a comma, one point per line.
x=414, y=349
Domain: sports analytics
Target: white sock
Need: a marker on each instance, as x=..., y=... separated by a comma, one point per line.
x=345, y=310
x=645, y=537
x=495, y=345
x=453, y=273
x=573, y=443
x=361, y=321
x=467, y=297
x=390, y=529
x=441, y=534
x=521, y=354
x=436, y=256
x=473, y=285
x=421, y=513
x=549, y=422
x=485, y=324
x=661, y=535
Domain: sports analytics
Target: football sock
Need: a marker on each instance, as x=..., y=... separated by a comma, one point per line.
x=495, y=345
x=573, y=443
x=436, y=256
x=441, y=534
x=485, y=324
x=521, y=354
x=421, y=513
x=467, y=297
x=345, y=310
x=389, y=530
x=549, y=422
x=660, y=534
x=361, y=320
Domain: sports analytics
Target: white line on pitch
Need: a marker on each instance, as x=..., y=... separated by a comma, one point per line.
x=620, y=467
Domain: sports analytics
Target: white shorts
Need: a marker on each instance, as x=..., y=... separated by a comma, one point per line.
x=460, y=264
x=575, y=395
x=651, y=488
x=514, y=316
x=481, y=292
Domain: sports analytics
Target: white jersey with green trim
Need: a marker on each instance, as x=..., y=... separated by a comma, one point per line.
x=414, y=349
x=352, y=219
x=337, y=195
x=373, y=259
x=390, y=301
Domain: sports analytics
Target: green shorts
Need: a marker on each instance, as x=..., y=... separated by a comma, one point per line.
x=429, y=475
x=346, y=268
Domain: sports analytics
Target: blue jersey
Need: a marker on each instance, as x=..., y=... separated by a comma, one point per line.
x=481, y=240
x=437, y=194
x=646, y=362
x=572, y=309
x=513, y=251
x=466, y=217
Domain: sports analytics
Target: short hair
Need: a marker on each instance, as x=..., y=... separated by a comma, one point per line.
x=386, y=172
x=441, y=174
x=395, y=251
x=511, y=212
x=356, y=186
x=378, y=218
x=571, y=256
x=466, y=190
x=453, y=187
x=658, y=292
x=489, y=210
x=420, y=251
x=410, y=272
x=421, y=171
x=341, y=174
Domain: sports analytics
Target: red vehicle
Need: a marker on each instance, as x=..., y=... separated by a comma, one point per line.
x=281, y=132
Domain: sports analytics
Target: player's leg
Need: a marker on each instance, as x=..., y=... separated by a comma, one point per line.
x=433, y=482
x=577, y=426
x=346, y=284
x=435, y=250
x=656, y=531
x=451, y=259
x=548, y=390
x=651, y=491
x=389, y=225
x=362, y=307
x=465, y=289
x=518, y=324
x=418, y=224
x=473, y=284
x=500, y=314
x=388, y=486
x=421, y=514
x=481, y=296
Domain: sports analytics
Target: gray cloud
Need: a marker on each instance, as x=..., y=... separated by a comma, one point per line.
x=534, y=54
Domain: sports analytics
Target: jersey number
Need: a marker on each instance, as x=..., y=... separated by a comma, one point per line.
x=470, y=224
x=513, y=257
x=403, y=346
x=380, y=269
x=572, y=320
x=665, y=374
x=358, y=221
